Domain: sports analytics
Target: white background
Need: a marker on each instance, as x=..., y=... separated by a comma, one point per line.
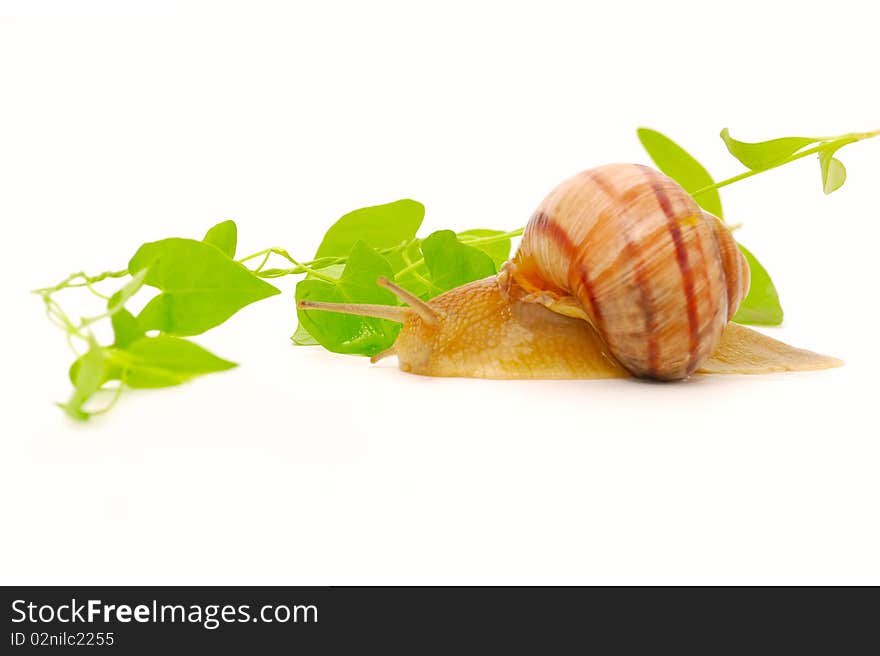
x=122, y=123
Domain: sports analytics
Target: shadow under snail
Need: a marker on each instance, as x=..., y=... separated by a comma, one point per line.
x=619, y=273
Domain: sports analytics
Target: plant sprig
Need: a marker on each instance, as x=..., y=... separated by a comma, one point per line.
x=200, y=284
x=761, y=306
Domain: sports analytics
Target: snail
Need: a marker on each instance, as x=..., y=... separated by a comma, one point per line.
x=619, y=273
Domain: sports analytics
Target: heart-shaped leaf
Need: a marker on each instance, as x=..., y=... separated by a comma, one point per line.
x=201, y=287
x=344, y=333
x=379, y=226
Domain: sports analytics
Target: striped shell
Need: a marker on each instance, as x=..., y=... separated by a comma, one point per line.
x=656, y=276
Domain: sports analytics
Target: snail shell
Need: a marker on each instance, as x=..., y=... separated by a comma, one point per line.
x=657, y=277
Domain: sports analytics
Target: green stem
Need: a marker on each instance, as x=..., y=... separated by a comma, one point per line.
x=88, y=281
x=418, y=276
x=492, y=238
x=301, y=267
x=263, y=263
x=314, y=266
x=750, y=173
x=411, y=267
x=836, y=142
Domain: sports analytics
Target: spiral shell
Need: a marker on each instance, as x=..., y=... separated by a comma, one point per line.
x=656, y=276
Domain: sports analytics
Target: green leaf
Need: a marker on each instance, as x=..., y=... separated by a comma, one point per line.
x=128, y=290
x=201, y=287
x=833, y=171
x=224, y=236
x=452, y=263
x=380, y=226
x=761, y=305
x=164, y=360
x=764, y=154
x=159, y=361
x=112, y=370
x=302, y=337
x=499, y=251
x=681, y=166
x=343, y=333
x=87, y=375
x=126, y=328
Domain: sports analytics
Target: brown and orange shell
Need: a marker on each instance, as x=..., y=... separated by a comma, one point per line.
x=656, y=276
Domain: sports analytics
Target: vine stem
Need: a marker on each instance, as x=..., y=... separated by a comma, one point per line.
x=826, y=142
x=492, y=238
x=82, y=279
x=302, y=267
x=750, y=173
x=313, y=267
x=87, y=281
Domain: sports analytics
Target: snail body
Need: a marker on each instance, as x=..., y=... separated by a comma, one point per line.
x=619, y=273
x=483, y=331
x=525, y=339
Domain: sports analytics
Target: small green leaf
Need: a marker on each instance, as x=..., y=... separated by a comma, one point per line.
x=833, y=171
x=126, y=328
x=764, y=154
x=761, y=305
x=343, y=333
x=499, y=251
x=452, y=263
x=379, y=226
x=224, y=236
x=302, y=337
x=681, y=166
x=164, y=360
x=201, y=287
x=87, y=375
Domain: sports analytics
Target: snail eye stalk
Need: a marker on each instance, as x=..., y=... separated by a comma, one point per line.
x=390, y=312
x=420, y=307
